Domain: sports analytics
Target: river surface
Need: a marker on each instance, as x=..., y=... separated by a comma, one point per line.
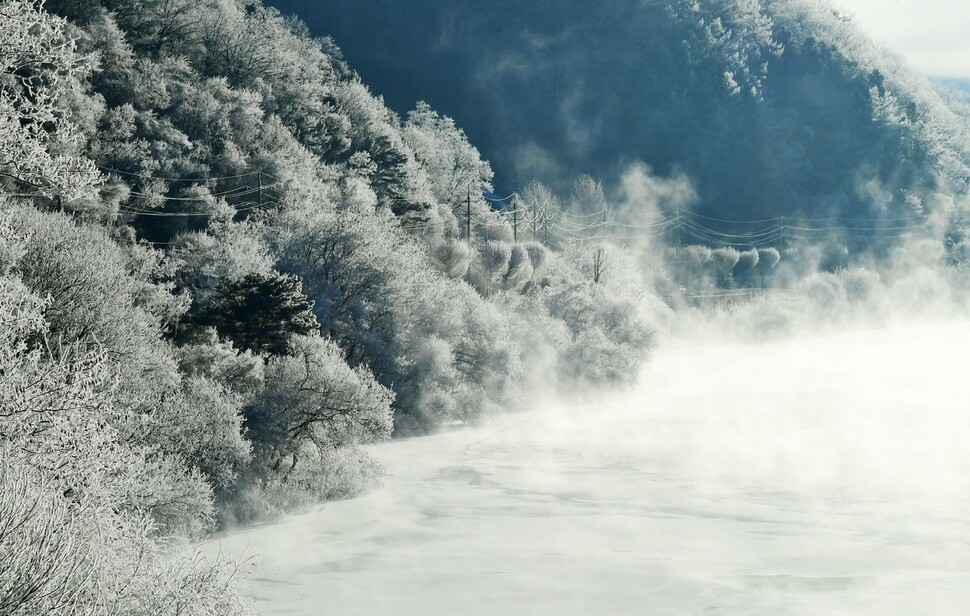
x=826, y=475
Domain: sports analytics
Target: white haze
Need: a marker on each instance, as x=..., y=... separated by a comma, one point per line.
x=930, y=34
x=645, y=198
x=823, y=474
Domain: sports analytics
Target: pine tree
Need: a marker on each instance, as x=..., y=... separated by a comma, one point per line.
x=260, y=312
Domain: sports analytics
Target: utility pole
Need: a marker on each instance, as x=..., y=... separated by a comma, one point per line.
x=535, y=220
x=259, y=186
x=515, y=218
x=468, y=220
x=515, y=226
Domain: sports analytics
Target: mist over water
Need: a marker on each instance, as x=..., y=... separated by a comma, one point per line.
x=674, y=317
x=818, y=474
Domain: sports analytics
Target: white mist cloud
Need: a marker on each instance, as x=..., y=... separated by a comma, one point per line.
x=644, y=192
x=818, y=475
x=533, y=160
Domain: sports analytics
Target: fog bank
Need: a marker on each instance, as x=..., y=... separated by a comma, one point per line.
x=820, y=475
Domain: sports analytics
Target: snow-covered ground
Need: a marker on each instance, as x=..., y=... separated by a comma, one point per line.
x=828, y=475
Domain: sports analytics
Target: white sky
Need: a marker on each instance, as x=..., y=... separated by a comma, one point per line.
x=933, y=35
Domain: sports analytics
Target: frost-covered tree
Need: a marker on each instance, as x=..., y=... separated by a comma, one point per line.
x=203, y=260
x=610, y=333
x=158, y=26
x=454, y=257
x=242, y=46
x=493, y=263
x=272, y=274
x=599, y=262
x=237, y=371
x=39, y=140
x=47, y=553
x=95, y=296
x=520, y=269
x=80, y=505
x=454, y=166
x=748, y=261
x=541, y=206
x=312, y=397
x=202, y=423
x=768, y=258
x=725, y=259
x=260, y=313
x=587, y=197
x=348, y=261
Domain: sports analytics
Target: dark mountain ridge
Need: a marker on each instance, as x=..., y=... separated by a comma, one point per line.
x=775, y=107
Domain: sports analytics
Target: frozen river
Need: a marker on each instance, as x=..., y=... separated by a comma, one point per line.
x=827, y=476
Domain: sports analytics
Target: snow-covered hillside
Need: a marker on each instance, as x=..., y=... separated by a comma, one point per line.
x=820, y=476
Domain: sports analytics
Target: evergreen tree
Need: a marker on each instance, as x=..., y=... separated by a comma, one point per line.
x=260, y=312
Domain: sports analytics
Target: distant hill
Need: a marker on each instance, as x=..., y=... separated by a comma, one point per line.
x=770, y=107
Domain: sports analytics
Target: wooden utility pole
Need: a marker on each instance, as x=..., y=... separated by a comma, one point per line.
x=535, y=220
x=259, y=186
x=468, y=220
x=515, y=219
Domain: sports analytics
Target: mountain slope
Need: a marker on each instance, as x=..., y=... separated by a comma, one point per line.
x=770, y=107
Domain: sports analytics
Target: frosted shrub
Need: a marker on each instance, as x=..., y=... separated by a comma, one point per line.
x=543, y=339
x=611, y=338
x=48, y=549
x=68, y=556
x=696, y=253
x=768, y=258
x=203, y=424
x=80, y=507
x=313, y=397
x=725, y=259
x=860, y=284
x=429, y=393
x=261, y=494
x=538, y=256
x=747, y=261
x=454, y=256
x=463, y=361
x=824, y=290
x=238, y=371
x=520, y=268
x=492, y=264
x=604, y=315
x=187, y=583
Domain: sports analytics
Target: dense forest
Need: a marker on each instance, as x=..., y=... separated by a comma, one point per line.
x=771, y=107
x=226, y=266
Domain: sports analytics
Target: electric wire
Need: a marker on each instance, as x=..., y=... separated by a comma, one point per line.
x=175, y=179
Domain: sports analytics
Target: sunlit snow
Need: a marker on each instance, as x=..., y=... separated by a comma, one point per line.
x=828, y=475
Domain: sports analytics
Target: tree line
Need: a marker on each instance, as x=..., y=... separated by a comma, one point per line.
x=225, y=266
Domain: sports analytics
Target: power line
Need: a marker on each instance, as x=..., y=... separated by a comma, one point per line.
x=498, y=199
x=570, y=226
x=203, y=198
x=176, y=179
x=249, y=205
x=590, y=215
